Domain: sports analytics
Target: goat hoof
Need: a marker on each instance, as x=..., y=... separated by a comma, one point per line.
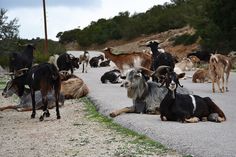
x=41, y=118
x=47, y=114
x=32, y=116
x=59, y=117
x=113, y=115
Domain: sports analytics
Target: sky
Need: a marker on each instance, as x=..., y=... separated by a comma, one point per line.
x=63, y=15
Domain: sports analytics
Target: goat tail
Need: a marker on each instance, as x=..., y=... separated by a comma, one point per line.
x=213, y=108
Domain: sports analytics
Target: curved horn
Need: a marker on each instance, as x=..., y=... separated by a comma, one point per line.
x=145, y=70
x=20, y=72
x=161, y=70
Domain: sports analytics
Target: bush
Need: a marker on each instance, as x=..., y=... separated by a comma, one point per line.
x=185, y=39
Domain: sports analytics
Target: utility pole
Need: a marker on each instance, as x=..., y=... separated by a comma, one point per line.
x=45, y=29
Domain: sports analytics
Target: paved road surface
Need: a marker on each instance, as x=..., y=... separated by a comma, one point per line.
x=203, y=139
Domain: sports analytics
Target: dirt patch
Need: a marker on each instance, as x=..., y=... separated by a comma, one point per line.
x=73, y=135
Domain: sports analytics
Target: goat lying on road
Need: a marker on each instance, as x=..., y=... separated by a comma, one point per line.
x=201, y=76
x=112, y=76
x=105, y=63
x=185, y=107
x=26, y=101
x=94, y=61
x=146, y=95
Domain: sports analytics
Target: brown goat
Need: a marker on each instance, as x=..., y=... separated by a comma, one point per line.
x=128, y=60
x=201, y=76
x=219, y=64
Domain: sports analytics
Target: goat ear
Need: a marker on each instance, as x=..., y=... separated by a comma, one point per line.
x=181, y=75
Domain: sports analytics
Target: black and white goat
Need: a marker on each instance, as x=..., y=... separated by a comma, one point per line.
x=105, y=63
x=185, y=107
x=113, y=76
x=94, y=61
x=84, y=60
x=44, y=77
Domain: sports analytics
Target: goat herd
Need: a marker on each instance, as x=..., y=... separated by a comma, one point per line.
x=151, y=79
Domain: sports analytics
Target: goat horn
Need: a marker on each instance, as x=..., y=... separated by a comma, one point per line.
x=9, y=74
x=161, y=70
x=145, y=70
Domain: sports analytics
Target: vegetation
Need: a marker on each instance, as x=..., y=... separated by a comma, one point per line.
x=10, y=42
x=214, y=21
x=144, y=144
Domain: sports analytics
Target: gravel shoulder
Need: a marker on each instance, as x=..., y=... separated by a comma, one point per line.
x=75, y=134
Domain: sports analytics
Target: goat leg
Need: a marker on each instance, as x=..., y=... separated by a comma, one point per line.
x=8, y=107
x=123, y=110
x=33, y=104
x=192, y=120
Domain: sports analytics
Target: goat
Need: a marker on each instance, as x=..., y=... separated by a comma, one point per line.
x=73, y=87
x=159, y=56
x=21, y=60
x=128, y=60
x=84, y=60
x=220, y=64
x=26, y=101
x=202, y=55
x=44, y=77
x=95, y=60
x=195, y=60
x=201, y=76
x=67, y=62
x=146, y=95
x=185, y=65
x=53, y=59
x=185, y=107
x=105, y=63
x=112, y=76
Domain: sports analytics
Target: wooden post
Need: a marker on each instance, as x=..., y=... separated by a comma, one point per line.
x=45, y=29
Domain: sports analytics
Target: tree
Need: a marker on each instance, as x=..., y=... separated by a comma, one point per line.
x=8, y=29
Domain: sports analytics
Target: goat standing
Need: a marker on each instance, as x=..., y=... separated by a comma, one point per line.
x=218, y=66
x=44, y=77
x=128, y=60
x=21, y=60
x=84, y=59
x=67, y=62
x=159, y=57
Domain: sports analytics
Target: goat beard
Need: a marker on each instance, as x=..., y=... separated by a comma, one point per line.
x=135, y=92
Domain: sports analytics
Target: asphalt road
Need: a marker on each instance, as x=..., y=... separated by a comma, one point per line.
x=203, y=139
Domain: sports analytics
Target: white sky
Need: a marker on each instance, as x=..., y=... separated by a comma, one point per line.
x=65, y=16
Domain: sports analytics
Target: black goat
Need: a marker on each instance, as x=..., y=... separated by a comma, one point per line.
x=105, y=63
x=185, y=107
x=67, y=62
x=44, y=77
x=112, y=76
x=159, y=58
x=22, y=60
x=95, y=60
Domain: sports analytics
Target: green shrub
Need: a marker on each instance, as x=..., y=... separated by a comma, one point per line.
x=185, y=39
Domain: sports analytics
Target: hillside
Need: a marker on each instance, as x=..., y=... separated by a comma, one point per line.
x=166, y=39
